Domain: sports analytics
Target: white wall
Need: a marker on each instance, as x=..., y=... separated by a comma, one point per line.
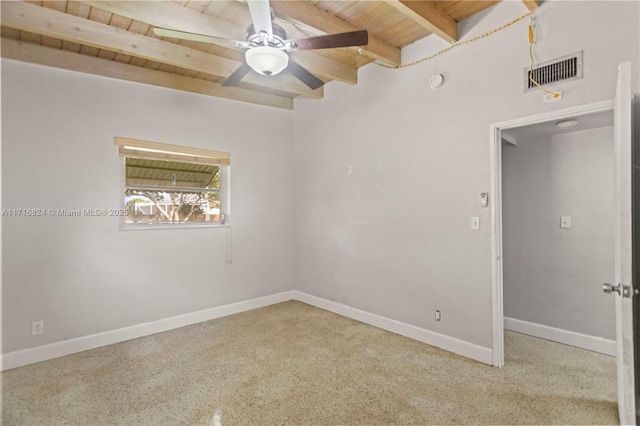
x=554, y=276
x=81, y=275
x=387, y=175
x=388, y=172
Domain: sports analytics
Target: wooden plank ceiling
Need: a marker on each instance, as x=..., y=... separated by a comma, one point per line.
x=116, y=39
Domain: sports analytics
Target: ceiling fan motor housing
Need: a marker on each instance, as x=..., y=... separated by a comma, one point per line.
x=275, y=40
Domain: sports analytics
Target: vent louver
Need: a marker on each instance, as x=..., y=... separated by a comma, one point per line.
x=566, y=68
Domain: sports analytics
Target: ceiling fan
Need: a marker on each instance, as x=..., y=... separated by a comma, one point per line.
x=267, y=46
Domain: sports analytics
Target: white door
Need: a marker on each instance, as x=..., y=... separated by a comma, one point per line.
x=623, y=244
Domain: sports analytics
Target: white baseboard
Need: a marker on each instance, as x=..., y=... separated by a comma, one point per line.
x=68, y=347
x=579, y=340
x=71, y=346
x=441, y=341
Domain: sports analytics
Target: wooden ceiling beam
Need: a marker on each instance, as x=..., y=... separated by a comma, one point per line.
x=40, y=20
x=47, y=56
x=176, y=17
x=172, y=16
x=424, y=14
x=307, y=14
x=531, y=4
x=325, y=68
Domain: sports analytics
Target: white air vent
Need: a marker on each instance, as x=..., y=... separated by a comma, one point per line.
x=563, y=69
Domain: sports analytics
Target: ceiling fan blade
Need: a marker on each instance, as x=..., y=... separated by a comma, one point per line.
x=237, y=75
x=261, y=16
x=353, y=38
x=304, y=76
x=183, y=35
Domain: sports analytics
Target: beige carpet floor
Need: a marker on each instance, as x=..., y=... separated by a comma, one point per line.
x=294, y=364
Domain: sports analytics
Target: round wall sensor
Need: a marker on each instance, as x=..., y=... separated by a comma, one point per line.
x=436, y=81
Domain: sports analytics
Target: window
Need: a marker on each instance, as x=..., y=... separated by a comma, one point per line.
x=170, y=185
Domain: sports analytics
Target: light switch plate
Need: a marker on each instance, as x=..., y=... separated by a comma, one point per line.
x=475, y=222
x=565, y=222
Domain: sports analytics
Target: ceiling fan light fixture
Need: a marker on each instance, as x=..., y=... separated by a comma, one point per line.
x=266, y=60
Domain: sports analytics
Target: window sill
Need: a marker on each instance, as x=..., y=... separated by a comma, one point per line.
x=143, y=227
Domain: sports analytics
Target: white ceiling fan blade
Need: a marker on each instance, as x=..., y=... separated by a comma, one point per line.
x=261, y=16
x=183, y=35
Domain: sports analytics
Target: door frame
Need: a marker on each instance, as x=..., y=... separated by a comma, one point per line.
x=495, y=146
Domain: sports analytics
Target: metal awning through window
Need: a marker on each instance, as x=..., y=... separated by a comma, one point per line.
x=170, y=168
x=169, y=174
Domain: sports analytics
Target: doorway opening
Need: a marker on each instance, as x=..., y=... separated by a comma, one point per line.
x=546, y=261
x=558, y=230
x=553, y=241
x=553, y=246
x=623, y=207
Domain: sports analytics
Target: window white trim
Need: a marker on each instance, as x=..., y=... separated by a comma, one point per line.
x=132, y=148
x=162, y=151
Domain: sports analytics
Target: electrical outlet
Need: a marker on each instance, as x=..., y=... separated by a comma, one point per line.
x=37, y=327
x=438, y=315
